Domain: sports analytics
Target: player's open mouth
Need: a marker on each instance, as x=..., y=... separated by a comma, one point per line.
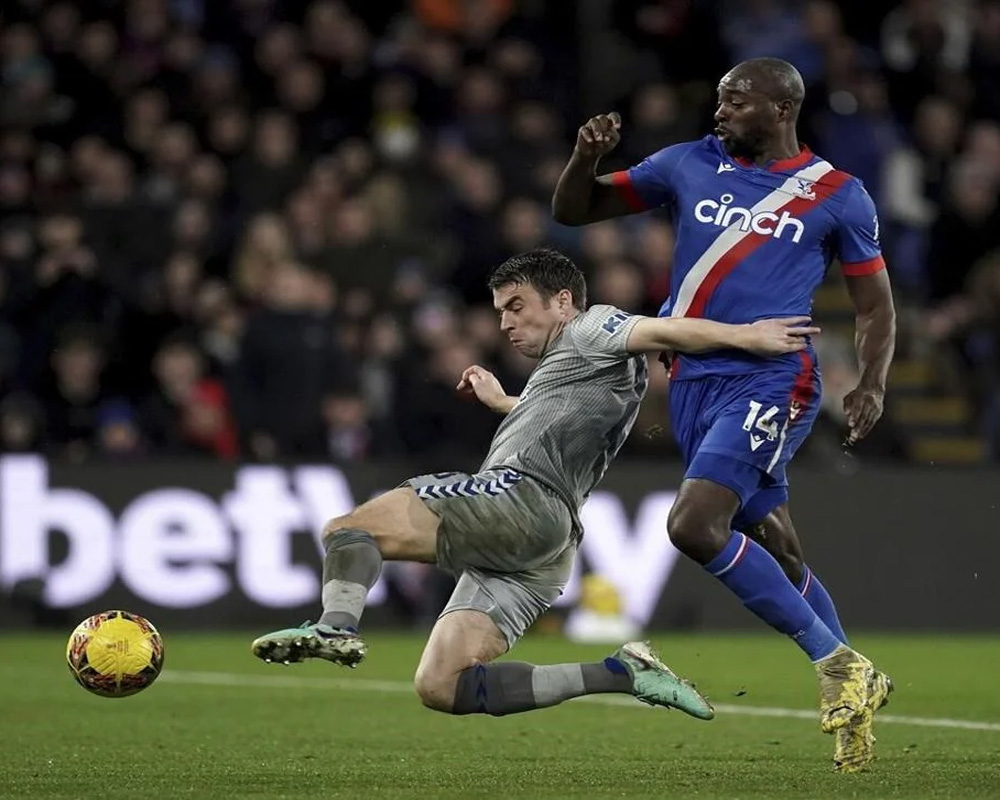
x=722, y=133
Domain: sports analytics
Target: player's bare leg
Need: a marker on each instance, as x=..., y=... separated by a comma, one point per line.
x=855, y=742
x=776, y=534
x=700, y=525
x=460, y=640
x=456, y=674
x=394, y=526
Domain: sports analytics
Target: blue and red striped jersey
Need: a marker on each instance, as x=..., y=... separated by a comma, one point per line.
x=752, y=241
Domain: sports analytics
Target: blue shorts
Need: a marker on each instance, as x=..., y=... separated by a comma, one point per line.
x=741, y=431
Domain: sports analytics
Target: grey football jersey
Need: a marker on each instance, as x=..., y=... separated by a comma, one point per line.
x=577, y=408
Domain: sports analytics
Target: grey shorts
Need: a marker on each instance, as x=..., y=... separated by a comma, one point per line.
x=506, y=537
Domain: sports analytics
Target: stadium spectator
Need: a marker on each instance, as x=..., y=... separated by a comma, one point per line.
x=21, y=424
x=289, y=360
x=74, y=395
x=925, y=47
x=969, y=321
x=915, y=177
x=965, y=231
x=187, y=413
x=352, y=435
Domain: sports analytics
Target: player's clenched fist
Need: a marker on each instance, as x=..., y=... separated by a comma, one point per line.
x=599, y=135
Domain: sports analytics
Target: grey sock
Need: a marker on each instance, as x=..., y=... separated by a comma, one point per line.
x=351, y=567
x=509, y=687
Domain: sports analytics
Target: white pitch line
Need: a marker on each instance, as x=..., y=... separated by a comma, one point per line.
x=399, y=687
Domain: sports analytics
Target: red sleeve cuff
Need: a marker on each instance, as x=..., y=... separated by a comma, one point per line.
x=859, y=268
x=623, y=183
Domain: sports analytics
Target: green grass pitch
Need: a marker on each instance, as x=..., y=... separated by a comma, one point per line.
x=219, y=724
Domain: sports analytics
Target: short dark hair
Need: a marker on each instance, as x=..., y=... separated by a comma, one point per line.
x=547, y=271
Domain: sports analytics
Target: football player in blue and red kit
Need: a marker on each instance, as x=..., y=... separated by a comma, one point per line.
x=758, y=219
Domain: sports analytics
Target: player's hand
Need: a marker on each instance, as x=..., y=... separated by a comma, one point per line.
x=484, y=386
x=863, y=407
x=599, y=135
x=772, y=337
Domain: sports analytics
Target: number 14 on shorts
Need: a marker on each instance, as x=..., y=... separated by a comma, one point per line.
x=762, y=422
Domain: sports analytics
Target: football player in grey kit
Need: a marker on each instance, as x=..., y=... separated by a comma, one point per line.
x=510, y=532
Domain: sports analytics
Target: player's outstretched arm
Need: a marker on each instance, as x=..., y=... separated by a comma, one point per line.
x=767, y=337
x=484, y=386
x=581, y=196
x=875, y=342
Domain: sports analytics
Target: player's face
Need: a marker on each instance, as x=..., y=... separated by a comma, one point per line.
x=746, y=120
x=530, y=321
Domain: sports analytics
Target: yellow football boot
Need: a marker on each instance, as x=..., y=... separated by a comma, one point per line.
x=855, y=747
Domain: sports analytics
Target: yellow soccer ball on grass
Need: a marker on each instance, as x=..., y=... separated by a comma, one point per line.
x=115, y=653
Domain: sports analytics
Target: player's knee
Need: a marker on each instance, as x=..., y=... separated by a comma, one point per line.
x=696, y=535
x=335, y=527
x=348, y=524
x=685, y=528
x=436, y=691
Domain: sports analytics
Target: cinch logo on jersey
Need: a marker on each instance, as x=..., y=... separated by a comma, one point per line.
x=722, y=215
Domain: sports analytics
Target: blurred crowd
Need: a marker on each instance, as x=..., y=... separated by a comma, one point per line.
x=261, y=229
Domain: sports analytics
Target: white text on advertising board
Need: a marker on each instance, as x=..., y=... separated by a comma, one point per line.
x=181, y=548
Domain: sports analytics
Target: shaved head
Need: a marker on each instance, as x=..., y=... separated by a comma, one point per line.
x=759, y=104
x=772, y=77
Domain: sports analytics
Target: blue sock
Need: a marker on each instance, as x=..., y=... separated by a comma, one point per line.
x=819, y=599
x=752, y=574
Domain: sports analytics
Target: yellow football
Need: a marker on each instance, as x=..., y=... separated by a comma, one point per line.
x=115, y=653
